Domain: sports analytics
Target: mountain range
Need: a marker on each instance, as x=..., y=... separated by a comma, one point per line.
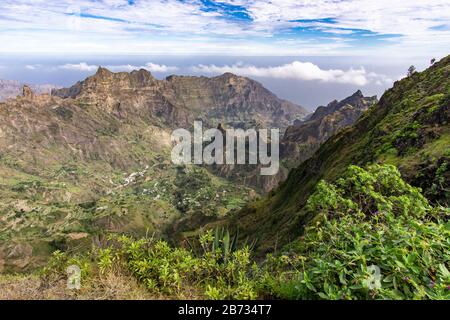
x=179, y=100
x=303, y=138
x=94, y=159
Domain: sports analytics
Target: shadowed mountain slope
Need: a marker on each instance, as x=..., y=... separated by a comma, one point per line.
x=409, y=127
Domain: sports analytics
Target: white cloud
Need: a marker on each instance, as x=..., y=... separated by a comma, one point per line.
x=82, y=66
x=297, y=70
x=33, y=66
x=152, y=67
x=407, y=17
x=174, y=27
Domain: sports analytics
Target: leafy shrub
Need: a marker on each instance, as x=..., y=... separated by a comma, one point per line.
x=23, y=186
x=172, y=270
x=371, y=219
x=59, y=261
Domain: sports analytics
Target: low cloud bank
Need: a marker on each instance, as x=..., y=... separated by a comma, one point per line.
x=297, y=70
x=152, y=67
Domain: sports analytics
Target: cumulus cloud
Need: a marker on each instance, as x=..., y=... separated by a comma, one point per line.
x=297, y=70
x=82, y=66
x=190, y=27
x=152, y=67
x=33, y=66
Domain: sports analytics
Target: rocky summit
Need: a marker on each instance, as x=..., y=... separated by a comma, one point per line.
x=11, y=89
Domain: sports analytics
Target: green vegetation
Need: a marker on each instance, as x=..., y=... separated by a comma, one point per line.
x=370, y=218
x=172, y=272
x=196, y=190
x=64, y=211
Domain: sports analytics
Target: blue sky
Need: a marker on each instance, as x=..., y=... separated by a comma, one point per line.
x=305, y=50
x=227, y=27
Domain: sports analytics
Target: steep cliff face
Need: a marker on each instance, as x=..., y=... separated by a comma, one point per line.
x=409, y=127
x=356, y=100
x=39, y=131
x=303, y=138
x=234, y=101
x=128, y=95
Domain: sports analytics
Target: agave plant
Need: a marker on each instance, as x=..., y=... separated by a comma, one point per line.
x=226, y=244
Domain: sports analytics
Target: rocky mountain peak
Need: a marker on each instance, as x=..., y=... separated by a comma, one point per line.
x=139, y=77
x=358, y=94
x=229, y=75
x=102, y=72
x=303, y=138
x=27, y=92
x=107, y=82
x=356, y=100
x=235, y=80
x=13, y=88
x=142, y=77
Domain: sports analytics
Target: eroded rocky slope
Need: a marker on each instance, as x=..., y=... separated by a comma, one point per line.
x=227, y=99
x=95, y=158
x=303, y=138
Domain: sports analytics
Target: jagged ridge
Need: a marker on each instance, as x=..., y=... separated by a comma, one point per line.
x=228, y=99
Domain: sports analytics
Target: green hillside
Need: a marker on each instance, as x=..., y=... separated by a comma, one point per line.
x=409, y=128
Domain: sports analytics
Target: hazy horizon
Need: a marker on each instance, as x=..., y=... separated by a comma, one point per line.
x=345, y=75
